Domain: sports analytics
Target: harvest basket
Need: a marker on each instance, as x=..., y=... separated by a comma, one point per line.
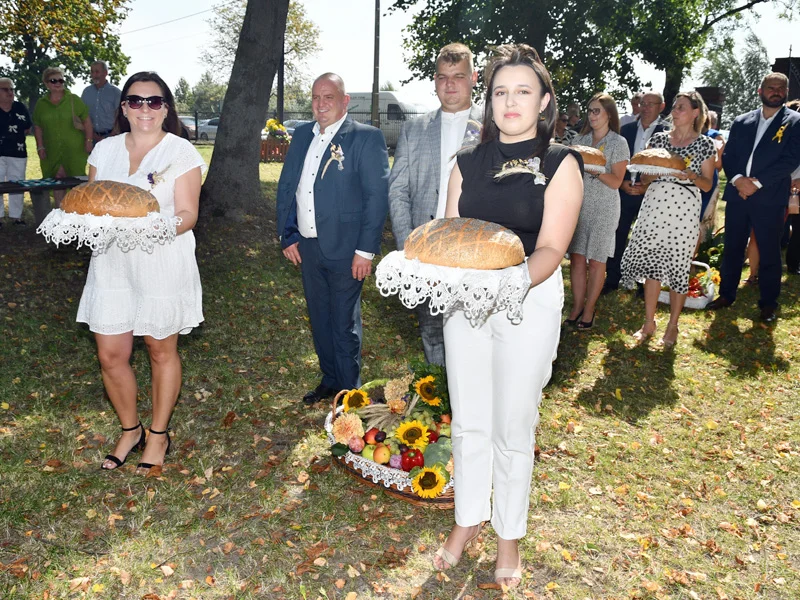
x=394, y=482
x=698, y=303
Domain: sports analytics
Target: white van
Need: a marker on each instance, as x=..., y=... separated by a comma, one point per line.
x=392, y=112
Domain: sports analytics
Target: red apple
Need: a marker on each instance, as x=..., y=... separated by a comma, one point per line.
x=369, y=437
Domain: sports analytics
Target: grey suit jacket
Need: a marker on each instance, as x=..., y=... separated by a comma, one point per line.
x=414, y=181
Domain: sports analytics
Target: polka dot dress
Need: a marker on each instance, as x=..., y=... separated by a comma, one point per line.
x=666, y=230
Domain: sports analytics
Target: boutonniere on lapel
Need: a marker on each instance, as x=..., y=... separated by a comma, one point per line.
x=779, y=134
x=337, y=154
x=157, y=177
x=472, y=135
x=522, y=166
x=602, y=147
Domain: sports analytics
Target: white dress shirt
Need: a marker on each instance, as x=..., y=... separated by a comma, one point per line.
x=643, y=135
x=454, y=126
x=306, y=216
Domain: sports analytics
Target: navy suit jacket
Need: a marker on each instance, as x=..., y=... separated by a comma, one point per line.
x=774, y=158
x=350, y=205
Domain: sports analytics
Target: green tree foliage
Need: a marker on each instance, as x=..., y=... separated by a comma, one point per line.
x=575, y=39
x=300, y=42
x=738, y=73
x=207, y=95
x=36, y=34
x=388, y=86
x=588, y=45
x=184, y=97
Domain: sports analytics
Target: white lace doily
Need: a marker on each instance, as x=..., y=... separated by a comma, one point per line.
x=382, y=474
x=653, y=170
x=98, y=233
x=477, y=292
x=594, y=169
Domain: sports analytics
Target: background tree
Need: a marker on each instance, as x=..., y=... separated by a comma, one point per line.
x=208, y=95
x=300, y=40
x=575, y=39
x=671, y=34
x=739, y=78
x=184, y=98
x=388, y=86
x=232, y=186
x=36, y=34
x=588, y=45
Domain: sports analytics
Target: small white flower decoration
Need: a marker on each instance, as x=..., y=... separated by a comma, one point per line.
x=337, y=154
x=522, y=166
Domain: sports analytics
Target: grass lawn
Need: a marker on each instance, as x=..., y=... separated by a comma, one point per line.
x=661, y=474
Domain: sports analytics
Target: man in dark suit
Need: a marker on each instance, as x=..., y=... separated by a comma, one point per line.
x=423, y=160
x=637, y=134
x=331, y=206
x=762, y=151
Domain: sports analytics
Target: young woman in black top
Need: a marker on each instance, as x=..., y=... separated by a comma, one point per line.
x=497, y=369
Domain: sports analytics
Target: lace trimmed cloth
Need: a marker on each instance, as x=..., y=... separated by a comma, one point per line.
x=479, y=293
x=382, y=474
x=98, y=233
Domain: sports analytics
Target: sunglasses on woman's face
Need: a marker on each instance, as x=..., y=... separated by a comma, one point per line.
x=594, y=111
x=55, y=81
x=154, y=102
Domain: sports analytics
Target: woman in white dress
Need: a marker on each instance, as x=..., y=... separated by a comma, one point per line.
x=156, y=295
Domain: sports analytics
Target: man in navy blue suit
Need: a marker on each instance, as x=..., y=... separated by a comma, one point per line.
x=637, y=134
x=762, y=151
x=333, y=199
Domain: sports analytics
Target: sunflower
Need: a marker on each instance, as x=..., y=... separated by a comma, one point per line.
x=347, y=426
x=413, y=434
x=355, y=399
x=426, y=388
x=429, y=482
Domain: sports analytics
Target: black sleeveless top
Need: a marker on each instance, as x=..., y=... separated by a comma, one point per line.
x=515, y=201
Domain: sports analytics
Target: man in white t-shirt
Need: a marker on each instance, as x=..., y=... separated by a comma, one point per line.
x=636, y=99
x=423, y=160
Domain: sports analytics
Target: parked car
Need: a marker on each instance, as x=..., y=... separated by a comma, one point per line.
x=291, y=124
x=208, y=130
x=188, y=122
x=392, y=108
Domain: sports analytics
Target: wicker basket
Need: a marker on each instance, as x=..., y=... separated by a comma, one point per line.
x=394, y=482
x=698, y=303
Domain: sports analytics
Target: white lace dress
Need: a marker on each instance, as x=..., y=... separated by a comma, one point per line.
x=159, y=293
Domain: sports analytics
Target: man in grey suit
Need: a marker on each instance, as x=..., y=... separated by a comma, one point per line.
x=423, y=160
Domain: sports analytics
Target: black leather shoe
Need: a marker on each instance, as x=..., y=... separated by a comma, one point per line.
x=721, y=302
x=607, y=289
x=321, y=392
x=768, y=315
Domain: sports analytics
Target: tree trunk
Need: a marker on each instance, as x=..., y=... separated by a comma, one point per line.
x=672, y=85
x=232, y=187
x=537, y=24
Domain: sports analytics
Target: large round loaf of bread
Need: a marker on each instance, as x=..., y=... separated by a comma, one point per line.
x=659, y=157
x=109, y=198
x=591, y=156
x=465, y=243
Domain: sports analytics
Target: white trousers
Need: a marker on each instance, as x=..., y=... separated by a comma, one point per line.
x=495, y=373
x=12, y=169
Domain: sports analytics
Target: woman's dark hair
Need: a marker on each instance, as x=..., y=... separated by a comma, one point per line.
x=610, y=106
x=171, y=122
x=512, y=55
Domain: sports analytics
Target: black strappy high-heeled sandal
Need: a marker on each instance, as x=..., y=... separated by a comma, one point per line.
x=137, y=448
x=148, y=466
